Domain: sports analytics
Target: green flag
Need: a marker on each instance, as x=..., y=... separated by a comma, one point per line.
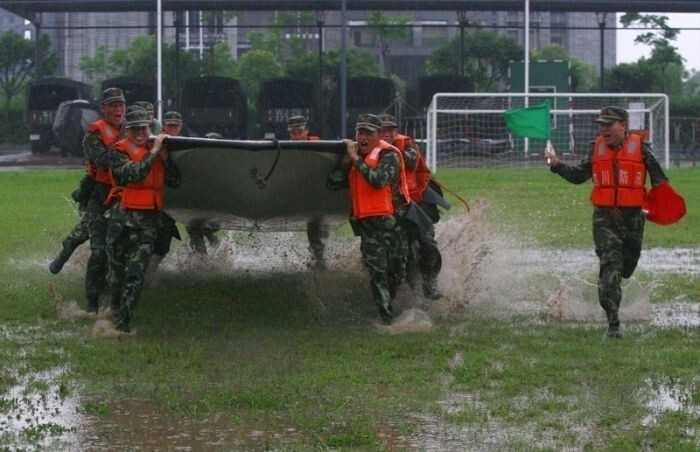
x=530, y=122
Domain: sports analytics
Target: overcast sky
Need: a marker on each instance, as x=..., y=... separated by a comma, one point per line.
x=687, y=43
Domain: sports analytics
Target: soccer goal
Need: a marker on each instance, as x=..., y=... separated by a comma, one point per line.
x=467, y=130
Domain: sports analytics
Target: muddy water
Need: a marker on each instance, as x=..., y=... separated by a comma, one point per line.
x=482, y=273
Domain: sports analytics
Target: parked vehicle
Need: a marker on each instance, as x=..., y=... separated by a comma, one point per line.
x=364, y=95
x=70, y=123
x=43, y=99
x=283, y=97
x=214, y=104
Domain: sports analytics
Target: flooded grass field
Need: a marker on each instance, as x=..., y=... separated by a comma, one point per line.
x=250, y=350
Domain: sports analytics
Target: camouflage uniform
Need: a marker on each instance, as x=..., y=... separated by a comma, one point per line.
x=80, y=233
x=383, y=239
x=96, y=270
x=131, y=235
x=424, y=256
x=617, y=233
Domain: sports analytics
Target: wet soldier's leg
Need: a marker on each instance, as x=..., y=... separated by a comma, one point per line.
x=375, y=258
x=397, y=252
x=430, y=264
x=96, y=269
x=317, y=235
x=412, y=268
x=634, y=233
x=196, y=240
x=116, y=252
x=75, y=238
x=609, y=248
x=138, y=251
x=210, y=235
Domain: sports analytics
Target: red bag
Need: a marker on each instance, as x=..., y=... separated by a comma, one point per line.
x=663, y=205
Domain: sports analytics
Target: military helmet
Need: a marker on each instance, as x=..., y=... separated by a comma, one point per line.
x=172, y=118
x=369, y=122
x=608, y=115
x=137, y=117
x=112, y=95
x=296, y=121
x=388, y=120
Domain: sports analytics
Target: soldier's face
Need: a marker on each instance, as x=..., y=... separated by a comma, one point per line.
x=114, y=113
x=614, y=132
x=299, y=134
x=138, y=135
x=172, y=129
x=366, y=140
x=388, y=134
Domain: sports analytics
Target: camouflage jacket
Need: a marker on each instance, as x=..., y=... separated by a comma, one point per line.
x=96, y=151
x=386, y=172
x=578, y=174
x=125, y=171
x=410, y=156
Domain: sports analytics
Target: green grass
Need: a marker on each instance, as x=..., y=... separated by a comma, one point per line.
x=254, y=351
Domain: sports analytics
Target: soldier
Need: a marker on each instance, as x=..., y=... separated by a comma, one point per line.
x=374, y=171
x=316, y=232
x=80, y=233
x=618, y=164
x=172, y=126
x=423, y=254
x=197, y=234
x=139, y=171
x=156, y=127
x=97, y=147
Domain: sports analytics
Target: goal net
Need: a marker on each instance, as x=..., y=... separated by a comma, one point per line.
x=468, y=130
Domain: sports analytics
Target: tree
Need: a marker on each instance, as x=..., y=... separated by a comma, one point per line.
x=256, y=66
x=359, y=63
x=17, y=64
x=486, y=58
x=583, y=76
x=665, y=59
x=386, y=29
x=219, y=61
x=99, y=66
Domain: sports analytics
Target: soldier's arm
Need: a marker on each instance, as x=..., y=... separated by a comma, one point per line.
x=126, y=171
x=338, y=178
x=172, y=173
x=95, y=150
x=656, y=174
x=386, y=172
x=576, y=174
x=410, y=156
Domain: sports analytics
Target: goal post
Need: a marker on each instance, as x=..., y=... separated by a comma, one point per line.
x=468, y=130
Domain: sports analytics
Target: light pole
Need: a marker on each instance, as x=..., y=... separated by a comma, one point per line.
x=463, y=22
x=601, y=24
x=320, y=19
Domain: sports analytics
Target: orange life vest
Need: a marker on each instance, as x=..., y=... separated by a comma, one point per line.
x=312, y=138
x=109, y=136
x=367, y=200
x=618, y=176
x=416, y=179
x=146, y=194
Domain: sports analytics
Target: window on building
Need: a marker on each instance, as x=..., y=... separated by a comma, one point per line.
x=433, y=33
x=27, y=35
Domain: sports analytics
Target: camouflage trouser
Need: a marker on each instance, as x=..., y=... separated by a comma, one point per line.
x=79, y=235
x=96, y=268
x=317, y=235
x=164, y=236
x=384, y=247
x=424, y=258
x=617, y=234
x=129, y=251
x=197, y=235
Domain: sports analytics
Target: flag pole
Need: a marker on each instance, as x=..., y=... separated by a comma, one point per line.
x=526, y=69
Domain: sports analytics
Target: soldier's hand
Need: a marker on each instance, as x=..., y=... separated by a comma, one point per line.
x=351, y=149
x=158, y=143
x=550, y=156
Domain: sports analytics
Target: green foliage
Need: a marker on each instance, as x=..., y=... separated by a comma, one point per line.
x=17, y=62
x=385, y=29
x=360, y=63
x=256, y=66
x=218, y=61
x=583, y=76
x=486, y=58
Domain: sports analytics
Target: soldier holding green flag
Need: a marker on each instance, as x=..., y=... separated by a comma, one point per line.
x=618, y=164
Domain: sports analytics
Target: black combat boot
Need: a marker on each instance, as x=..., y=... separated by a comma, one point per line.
x=59, y=261
x=614, y=329
x=93, y=305
x=387, y=314
x=430, y=289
